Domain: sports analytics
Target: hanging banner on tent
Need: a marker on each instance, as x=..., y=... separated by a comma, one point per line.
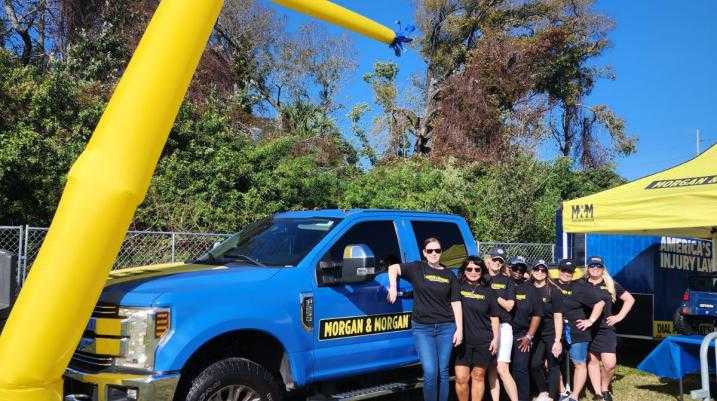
x=685, y=254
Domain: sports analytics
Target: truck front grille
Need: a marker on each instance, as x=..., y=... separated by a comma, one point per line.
x=89, y=357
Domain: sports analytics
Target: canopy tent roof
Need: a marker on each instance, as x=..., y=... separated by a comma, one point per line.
x=680, y=201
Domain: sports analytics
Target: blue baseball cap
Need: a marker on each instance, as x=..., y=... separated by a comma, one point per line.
x=595, y=261
x=497, y=253
x=566, y=264
x=519, y=261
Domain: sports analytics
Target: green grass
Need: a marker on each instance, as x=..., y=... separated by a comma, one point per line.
x=631, y=384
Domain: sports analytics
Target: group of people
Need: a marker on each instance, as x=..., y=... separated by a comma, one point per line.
x=511, y=325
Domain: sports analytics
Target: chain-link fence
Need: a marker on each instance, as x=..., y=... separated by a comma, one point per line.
x=138, y=248
x=149, y=247
x=11, y=239
x=532, y=252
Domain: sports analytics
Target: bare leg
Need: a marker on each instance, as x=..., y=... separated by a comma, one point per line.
x=594, y=372
x=494, y=383
x=463, y=376
x=580, y=376
x=477, y=383
x=609, y=361
x=510, y=388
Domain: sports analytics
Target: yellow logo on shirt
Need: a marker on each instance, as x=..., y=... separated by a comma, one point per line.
x=520, y=297
x=566, y=292
x=497, y=286
x=469, y=294
x=436, y=279
x=602, y=287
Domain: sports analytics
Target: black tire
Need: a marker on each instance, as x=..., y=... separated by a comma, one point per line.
x=234, y=374
x=683, y=325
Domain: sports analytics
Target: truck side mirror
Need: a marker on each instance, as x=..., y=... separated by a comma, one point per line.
x=359, y=263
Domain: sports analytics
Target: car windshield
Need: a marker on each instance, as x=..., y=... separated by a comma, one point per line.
x=271, y=242
x=703, y=283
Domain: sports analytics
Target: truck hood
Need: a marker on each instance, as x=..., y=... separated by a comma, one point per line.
x=141, y=286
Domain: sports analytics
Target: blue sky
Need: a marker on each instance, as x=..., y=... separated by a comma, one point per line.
x=664, y=54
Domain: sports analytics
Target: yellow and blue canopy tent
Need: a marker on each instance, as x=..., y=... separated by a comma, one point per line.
x=680, y=201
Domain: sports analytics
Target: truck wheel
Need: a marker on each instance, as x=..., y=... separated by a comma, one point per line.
x=234, y=379
x=682, y=325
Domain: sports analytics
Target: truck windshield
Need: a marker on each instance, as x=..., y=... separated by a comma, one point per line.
x=271, y=242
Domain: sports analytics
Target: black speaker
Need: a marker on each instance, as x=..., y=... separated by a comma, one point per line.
x=8, y=284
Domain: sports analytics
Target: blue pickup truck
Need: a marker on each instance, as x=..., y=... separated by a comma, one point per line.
x=292, y=303
x=698, y=312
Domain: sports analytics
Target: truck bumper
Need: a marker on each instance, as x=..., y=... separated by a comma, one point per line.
x=82, y=386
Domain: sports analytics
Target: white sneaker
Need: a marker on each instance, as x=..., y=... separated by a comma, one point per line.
x=543, y=397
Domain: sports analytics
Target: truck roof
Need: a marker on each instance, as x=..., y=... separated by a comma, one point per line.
x=343, y=213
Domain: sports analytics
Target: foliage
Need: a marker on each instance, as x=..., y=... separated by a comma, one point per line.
x=45, y=119
x=256, y=133
x=500, y=72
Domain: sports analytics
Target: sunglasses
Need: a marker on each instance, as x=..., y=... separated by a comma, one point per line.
x=595, y=266
x=567, y=271
x=433, y=250
x=473, y=269
x=541, y=270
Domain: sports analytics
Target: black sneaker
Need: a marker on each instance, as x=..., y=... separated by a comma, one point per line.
x=607, y=396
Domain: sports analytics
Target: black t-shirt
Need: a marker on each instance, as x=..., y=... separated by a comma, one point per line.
x=609, y=304
x=504, y=288
x=551, y=298
x=577, y=303
x=527, y=305
x=479, y=305
x=433, y=292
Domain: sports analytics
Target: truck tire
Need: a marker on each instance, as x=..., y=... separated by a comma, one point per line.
x=222, y=381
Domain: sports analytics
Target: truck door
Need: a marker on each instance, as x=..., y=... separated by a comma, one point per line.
x=355, y=329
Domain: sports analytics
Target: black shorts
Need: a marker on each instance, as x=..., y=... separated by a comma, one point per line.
x=604, y=341
x=474, y=355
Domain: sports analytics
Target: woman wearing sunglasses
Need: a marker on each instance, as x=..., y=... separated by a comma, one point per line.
x=437, y=317
x=547, y=349
x=602, y=347
x=582, y=307
x=481, y=329
x=527, y=313
x=505, y=293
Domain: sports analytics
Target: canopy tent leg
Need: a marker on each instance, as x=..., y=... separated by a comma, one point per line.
x=714, y=248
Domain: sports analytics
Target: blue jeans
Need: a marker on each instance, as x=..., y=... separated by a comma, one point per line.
x=434, y=343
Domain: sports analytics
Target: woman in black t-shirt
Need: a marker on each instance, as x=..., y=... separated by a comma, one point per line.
x=527, y=314
x=505, y=293
x=602, y=347
x=547, y=350
x=582, y=307
x=437, y=315
x=480, y=328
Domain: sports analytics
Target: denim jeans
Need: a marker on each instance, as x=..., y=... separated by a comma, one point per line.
x=434, y=343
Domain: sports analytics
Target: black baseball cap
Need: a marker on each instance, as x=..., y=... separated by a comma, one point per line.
x=497, y=253
x=566, y=264
x=595, y=261
x=539, y=263
x=518, y=261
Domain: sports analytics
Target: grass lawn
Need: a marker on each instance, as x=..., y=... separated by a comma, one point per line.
x=631, y=384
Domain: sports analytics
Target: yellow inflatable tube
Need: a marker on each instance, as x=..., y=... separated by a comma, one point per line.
x=104, y=188
x=337, y=15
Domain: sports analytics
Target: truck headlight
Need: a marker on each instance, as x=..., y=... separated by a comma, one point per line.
x=142, y=330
